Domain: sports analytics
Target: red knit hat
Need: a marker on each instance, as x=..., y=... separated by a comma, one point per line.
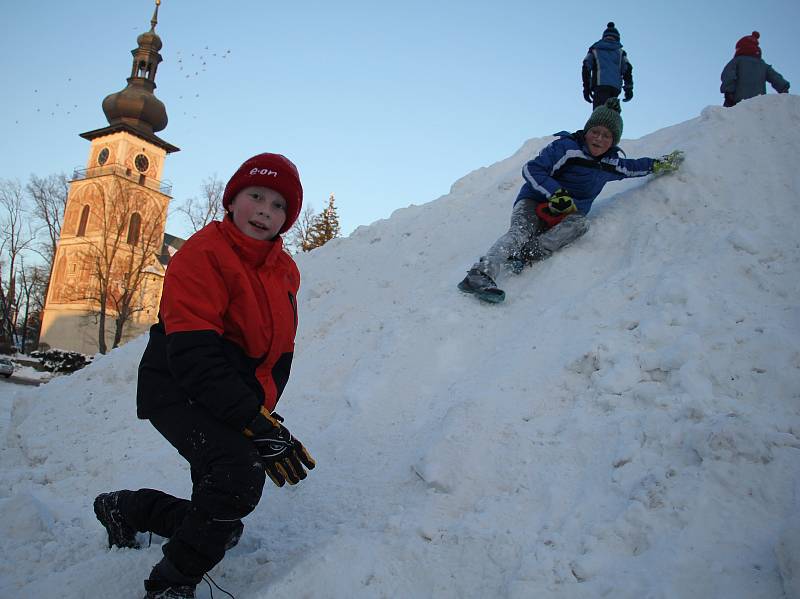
x=274, y=171
x=748, y=46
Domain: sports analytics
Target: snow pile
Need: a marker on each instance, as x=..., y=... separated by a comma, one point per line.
x=626, y=424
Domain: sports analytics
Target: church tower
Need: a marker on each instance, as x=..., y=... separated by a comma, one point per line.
x=107, y=273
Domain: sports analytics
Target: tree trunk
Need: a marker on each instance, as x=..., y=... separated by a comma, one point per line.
x=120, y=324
x=25, y=324
x=101, y=329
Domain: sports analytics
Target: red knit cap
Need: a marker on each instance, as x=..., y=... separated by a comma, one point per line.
x=274, y=171
x=748, y=46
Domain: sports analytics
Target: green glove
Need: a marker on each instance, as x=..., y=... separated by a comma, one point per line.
x=561, y=202
x=668, y=163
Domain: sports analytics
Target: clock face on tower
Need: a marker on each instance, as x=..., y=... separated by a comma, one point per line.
x=141, y=163
x=102, y=157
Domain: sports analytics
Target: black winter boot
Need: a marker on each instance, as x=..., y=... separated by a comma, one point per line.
x=167, y=582
x=482, y=286
x=120, y=533
x=161, y=589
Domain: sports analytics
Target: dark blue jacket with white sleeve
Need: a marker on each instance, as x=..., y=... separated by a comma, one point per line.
x=567, y=163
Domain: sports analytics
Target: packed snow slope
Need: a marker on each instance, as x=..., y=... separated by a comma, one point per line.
x=626, y=424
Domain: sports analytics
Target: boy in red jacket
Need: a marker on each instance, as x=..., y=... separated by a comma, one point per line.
x=215, y=366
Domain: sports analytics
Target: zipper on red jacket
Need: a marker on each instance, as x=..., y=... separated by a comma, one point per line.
x=293, y=302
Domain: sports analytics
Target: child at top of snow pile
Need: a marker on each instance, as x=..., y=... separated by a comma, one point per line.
x=746, y=74
x=560, y=185
x=215, y=366
x=606, y=69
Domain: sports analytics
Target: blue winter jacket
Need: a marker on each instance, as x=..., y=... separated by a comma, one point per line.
x=567, y=163
x=607, y=64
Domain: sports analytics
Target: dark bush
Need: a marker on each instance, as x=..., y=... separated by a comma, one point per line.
x=56, y=360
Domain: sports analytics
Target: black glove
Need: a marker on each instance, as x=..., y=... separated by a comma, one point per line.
x=561, y=202
x=628, y=94
x=282, y=454
x=587, y=95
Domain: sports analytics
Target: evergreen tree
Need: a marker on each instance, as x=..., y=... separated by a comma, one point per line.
x=325, y=226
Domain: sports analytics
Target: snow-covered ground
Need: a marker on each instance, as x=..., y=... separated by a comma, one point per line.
x=626, y=424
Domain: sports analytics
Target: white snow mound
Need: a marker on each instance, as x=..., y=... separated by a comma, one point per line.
x=626, y=424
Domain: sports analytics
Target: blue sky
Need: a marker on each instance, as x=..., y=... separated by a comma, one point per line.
x=383, y=104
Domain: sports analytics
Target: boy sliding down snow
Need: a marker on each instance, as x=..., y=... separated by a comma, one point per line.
x=560, y=185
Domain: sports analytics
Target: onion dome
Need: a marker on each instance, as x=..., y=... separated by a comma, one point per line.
x=136, y=105
x=149, y=39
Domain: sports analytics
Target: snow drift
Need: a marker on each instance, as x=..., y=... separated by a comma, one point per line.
x=626, y=424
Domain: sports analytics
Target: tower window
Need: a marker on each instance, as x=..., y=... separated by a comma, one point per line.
x=133, y=228
x=102, y=157
x=84, y=221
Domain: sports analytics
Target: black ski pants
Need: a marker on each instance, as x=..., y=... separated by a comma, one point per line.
x=227, y=481
x=601, y=93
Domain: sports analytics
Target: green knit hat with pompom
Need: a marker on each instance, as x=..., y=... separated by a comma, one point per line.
x=609, y=117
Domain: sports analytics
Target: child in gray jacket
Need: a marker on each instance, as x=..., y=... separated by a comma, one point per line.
x=746, y=74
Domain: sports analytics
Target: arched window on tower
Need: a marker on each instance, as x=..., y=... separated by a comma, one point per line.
x=133, y=228
x=84, y=221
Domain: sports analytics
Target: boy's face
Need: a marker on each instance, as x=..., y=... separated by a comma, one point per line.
x=598, y=140
x=258, y=212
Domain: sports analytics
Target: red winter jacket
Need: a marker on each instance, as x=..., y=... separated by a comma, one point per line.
x=227, y=322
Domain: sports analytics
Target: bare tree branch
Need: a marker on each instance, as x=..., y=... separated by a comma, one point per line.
x=201, y=211
x=17, y=236
x=33, y=288
x=49, y=195
x=298, y=238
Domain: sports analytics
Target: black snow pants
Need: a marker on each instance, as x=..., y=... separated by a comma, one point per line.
x=601, y=93
x=227, y=481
